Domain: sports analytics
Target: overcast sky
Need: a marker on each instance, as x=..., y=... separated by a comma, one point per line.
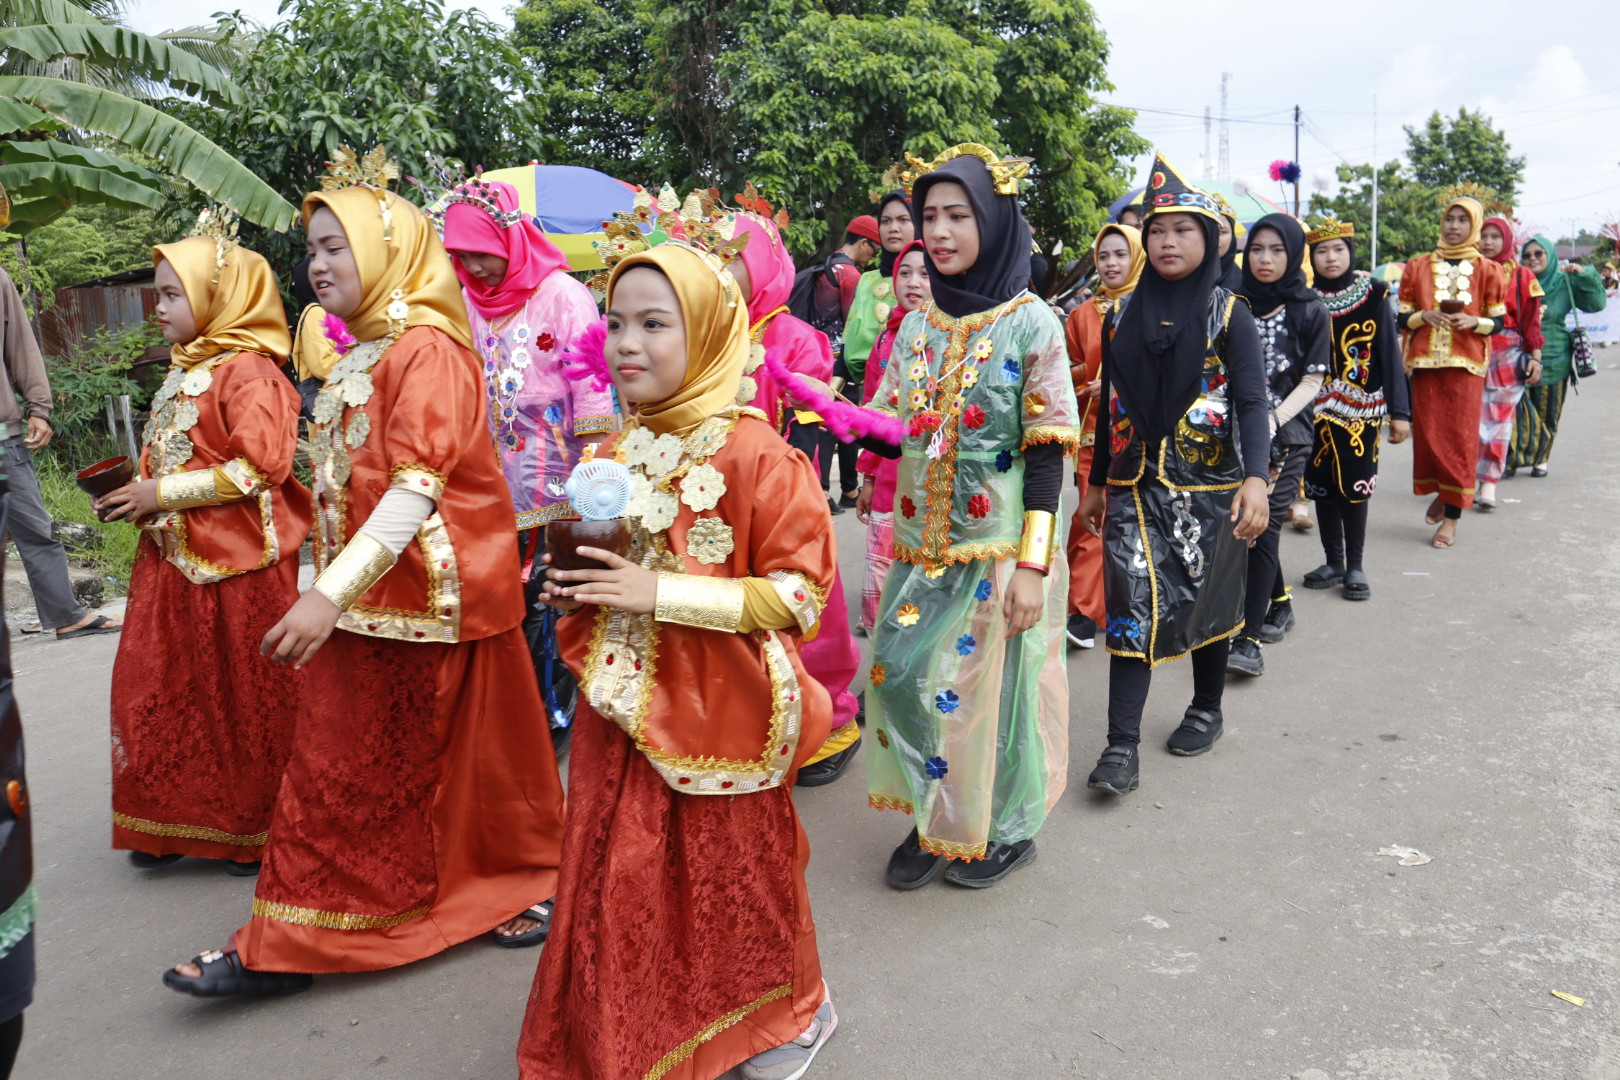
x=1546, y=73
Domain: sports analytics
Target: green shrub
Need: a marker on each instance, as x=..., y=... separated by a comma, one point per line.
x=102, y=365
x=113, y=553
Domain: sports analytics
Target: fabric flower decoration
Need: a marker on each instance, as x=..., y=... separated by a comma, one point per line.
x=982, y=350
x=919, y=399
x=918, y=372
x=935, y=766
x=520, y=335
x=907, y=507
x=877, y=675
x=546, y=343
x=1004, y=461
x=955, y=405
x=907, y=615
x=919, y=343
x=883, y=738
x=982, y=593
x=491, y=341
x=1011, y=369
x=946, y=702
x=554, y=414
x=979, y=505
x=1034, y=403
x=520, y=358
x=973, y=416
x=965, y=645
x=702, y=487
x=970, y=378
x=511, y=381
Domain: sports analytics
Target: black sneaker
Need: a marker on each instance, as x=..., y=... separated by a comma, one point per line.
x=1117, y=771
x=1082, y=632
x=1279, y=620
x=1324, y=577
x=833, y=507
x=850, y=500
x=910, y=867
x=828, y=769
x=999, y=861
x=1244, y=659
x=1356, y=586
x=1197, y=733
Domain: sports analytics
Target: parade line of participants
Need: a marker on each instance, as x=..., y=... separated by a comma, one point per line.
x=394, y=788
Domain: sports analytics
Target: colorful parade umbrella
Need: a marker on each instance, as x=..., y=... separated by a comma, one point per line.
x=570, y=203
x=1390, y=272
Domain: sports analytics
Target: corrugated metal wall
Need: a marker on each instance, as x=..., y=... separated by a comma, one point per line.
x=79, y=312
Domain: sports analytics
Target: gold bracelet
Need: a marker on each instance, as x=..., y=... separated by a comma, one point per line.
x=1485, y=327
x=1039, y=542
x=183, y=490
x=710, y=603
x=356, y=569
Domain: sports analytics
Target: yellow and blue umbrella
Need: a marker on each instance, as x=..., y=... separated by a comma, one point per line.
x=570, y=202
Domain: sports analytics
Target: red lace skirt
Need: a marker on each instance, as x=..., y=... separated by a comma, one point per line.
x=422, y=806
x=201, y=723
x=683, y=943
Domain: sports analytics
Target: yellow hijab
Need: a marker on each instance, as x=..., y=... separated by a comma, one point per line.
x=1469, y=248
x=242, y=311
x=414, y=262
x=716, y=318
x=313, y=354
x=1133, y=239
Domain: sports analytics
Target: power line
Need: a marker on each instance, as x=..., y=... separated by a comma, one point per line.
x=1199, y=116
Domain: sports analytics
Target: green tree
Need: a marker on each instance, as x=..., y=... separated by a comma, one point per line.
x=87, y=242
x=1408, y=211
x=813, y=100
x=1447, y=151
x=69, y=75
x=398, y=72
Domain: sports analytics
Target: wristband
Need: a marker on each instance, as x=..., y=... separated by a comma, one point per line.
x=183, y=490
x=356, y=569
x=1039, y=541
x=709, y=603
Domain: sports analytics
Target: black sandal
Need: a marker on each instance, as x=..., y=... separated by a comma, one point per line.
x=243, y=869
x=224, y=975
x=541, y=913
x=144, y=860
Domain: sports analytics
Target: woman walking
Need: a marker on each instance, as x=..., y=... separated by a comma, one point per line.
x=1570, y=287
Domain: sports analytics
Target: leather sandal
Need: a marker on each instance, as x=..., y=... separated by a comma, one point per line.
x=224, y=975
x=541, y=913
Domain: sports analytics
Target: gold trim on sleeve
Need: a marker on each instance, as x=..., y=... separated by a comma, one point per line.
x=418, y=478
x=361, y=563
x=710, y=603
x=1485, y=327
x=1039, y=542
x=798, y=595
x=183, y=490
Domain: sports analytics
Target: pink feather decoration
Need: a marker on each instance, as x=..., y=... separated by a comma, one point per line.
x=848, y=422
x=586, y=356
x=337, y=332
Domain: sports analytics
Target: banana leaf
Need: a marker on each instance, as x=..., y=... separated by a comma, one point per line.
x=80, y=183
x=37, y=150
x=121, y=49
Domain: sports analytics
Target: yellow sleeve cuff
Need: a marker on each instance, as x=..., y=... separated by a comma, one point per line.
x=763, y=607
x=709, y=603
x=1485, y=327
x=361, y=563
x=1414, y=321
x=1039, y=542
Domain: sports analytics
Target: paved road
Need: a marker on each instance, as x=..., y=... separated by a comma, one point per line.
x=1230, y=921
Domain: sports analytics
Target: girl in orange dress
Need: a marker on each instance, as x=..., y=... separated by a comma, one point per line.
x=405, y=823
x=201, y=726
x=683, y=944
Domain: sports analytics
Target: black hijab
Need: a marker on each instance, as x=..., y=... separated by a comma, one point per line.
x=1265, y=297
x=1002, y=269
x=1344, y=280
x=886, y=258
x=1160, y=338
x=1231, y=272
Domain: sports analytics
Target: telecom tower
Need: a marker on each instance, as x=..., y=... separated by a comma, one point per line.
x=1223, y=171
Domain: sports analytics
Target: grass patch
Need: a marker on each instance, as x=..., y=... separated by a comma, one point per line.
x=114, y=553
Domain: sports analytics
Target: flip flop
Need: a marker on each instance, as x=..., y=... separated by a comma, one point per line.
x=1437, y=510
x=1439, y=541
x=99, y=625
x=541, y=913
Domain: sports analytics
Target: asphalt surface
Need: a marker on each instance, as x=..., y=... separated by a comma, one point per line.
x=1232, y=920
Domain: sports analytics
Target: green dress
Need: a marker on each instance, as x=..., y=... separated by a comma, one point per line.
x=971, y=729
x=1535, y=422
x=868, y=312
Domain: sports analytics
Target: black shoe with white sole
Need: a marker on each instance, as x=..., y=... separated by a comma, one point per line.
x=999, y=861
x=1118, y=771
x=1081, y=631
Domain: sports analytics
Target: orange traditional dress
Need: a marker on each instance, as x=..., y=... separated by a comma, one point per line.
x=202, y=725
x=1448, y=368
x=406, y=822
x=683, y=942
x=1082, y=332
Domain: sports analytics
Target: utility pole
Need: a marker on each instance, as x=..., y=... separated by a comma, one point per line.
x=1296, y=161
x=1223, y=169
x=1374, y=265
x=1207, y=162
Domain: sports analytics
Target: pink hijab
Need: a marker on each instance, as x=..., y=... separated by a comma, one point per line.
x=769, y=265
x=529, y=255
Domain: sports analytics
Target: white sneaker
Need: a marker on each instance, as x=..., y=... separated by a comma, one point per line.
x=1485, y=499
x=791, y=1060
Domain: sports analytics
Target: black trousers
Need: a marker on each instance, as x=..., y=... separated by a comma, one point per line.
x=1265, y=565
x=1129, y=680
x=1344, y=531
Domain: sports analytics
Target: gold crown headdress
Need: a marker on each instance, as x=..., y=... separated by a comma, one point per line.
x=219, y=225
x=1469, y=189
x=700, y=221
x=374, y=171
x=1330, y=228
x=1005, y=172
x=449, y=187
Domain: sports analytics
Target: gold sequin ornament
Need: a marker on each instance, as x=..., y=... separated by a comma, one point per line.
x=197, y=381
x=702, y=487
x=709, y=540
x=398, y=311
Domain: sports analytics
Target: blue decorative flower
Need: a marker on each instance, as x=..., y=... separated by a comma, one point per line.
x=936, y=768
x=1124, y=628
x=965, y=645
x=1004, y=461
x=553, y=414
x=1011, y=369
x=982, y=593
x=946, y=702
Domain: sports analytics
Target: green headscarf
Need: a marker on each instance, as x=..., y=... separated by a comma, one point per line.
x=1548, y=278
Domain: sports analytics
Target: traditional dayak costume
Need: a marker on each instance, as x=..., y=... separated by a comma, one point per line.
x=197, y=760
x=1365, y=384
x=406, y=822
x=1448, y=367
x=1536, y=424
x=1187, y=421
x=683, y=943
x=883, y=472
x=972, y=728
x=1083, y=334
x=1520, y=334
x=1294, y=331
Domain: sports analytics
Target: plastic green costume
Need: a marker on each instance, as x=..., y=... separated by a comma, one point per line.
x=868, y=312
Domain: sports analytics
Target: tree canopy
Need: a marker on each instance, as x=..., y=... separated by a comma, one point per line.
x=1467, y=149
